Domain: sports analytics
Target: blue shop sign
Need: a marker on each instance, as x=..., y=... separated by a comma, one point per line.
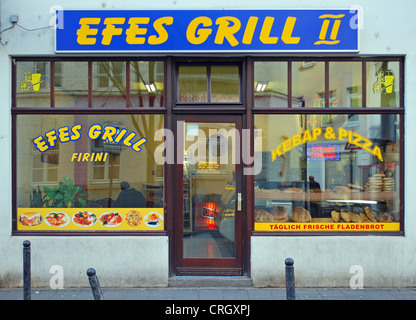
x=207, y=31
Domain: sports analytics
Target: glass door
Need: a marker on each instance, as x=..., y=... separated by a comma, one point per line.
x=209, y=239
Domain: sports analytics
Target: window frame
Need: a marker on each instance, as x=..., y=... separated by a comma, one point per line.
x=88, y=110
x=399, y=110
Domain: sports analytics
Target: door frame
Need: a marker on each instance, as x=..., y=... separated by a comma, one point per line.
x=199, y=266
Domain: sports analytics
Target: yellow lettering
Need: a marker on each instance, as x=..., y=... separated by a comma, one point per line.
x=342, y=133
x=163, y=35
x=226, y=30
x=99, y=156
x=120, y=135
x=110, y=30
x=84, y=31
x=63, y=134
x=276, y=153
x=316, y=132
x=51, y=135
x=74, y=155
x=75, y=130
x=288, y=30
x=249, y=32
x=40, y=144
x=136, y=146
x=377, y=153
x=307, y=136
x=199, y=36
x=350, y=136
x=127, y=141
x=297, y=140
x=286, y=145
x=357, y=140
x=134, y=30
x=85, y=157
x=109, y=132
x=366, y=146
x=265, y=31
x=94, y=131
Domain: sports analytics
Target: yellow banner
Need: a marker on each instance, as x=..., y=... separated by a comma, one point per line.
x=330, y=226
x=90, y=219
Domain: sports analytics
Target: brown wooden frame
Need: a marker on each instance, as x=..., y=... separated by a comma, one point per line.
x=246, y=109
x=210, y=266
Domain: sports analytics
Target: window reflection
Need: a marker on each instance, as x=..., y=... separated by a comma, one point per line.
x=308, y=84
x=146, y=83
x=96, y=166
x=33, y=84
x=345, y=80
x=71, y=84
x=193, y=84
x=383, y=83
x=270, y=84
x=109, y=84
x=327, y=164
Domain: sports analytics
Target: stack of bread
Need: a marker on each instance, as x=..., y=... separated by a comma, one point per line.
x=388, y=184
x=375, y=183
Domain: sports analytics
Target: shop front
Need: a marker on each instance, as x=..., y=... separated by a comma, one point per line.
x=209, y=143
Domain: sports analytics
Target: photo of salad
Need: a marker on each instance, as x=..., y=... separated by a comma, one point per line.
x=111, y=219
x=84, y=219
x=56, y=219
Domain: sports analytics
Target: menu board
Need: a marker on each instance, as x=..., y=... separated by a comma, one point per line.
x=90, y=219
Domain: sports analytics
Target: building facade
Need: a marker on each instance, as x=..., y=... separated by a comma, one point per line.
x=167, y=141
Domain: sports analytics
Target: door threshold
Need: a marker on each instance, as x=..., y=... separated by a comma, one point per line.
x=209, y=281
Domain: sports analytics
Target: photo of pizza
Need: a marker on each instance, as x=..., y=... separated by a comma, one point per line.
x=134, y=218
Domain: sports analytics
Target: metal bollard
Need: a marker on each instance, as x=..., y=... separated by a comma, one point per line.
x=290, y=279
x=26, y=271
x=95, y=286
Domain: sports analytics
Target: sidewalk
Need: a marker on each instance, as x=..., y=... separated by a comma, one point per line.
x=248, y=293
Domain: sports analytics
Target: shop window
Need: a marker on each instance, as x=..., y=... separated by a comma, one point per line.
x=71, y=84
x=45, y=166
x=329, y=172
x=109, y=84
x=345, y=81
x=270, y=84
x=71, y=169
x=308, y=80
x=383, y=84
x=33, y=84
x=208, y=84
x=146, y=83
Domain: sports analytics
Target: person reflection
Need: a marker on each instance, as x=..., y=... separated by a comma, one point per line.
x=313, y=185
x=129, y=197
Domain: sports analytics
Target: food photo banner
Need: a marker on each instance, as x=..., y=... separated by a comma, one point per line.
x=207, y=31
x=90, y=219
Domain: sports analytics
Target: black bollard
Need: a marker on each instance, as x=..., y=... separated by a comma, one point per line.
x=26, y=271
x=290, y=279
x=95, y=286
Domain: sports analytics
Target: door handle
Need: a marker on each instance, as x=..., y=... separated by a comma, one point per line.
x=239, y=201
